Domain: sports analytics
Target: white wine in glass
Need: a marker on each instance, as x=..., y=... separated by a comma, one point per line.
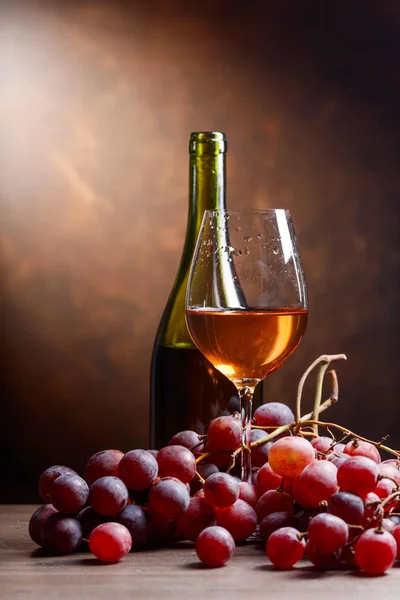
x=246, y=302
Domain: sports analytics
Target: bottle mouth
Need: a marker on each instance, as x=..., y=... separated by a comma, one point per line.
x=207, y=142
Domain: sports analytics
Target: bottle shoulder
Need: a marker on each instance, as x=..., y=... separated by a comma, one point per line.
x=172, y=330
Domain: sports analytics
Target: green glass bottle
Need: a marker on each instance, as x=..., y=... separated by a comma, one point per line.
x=186, y=390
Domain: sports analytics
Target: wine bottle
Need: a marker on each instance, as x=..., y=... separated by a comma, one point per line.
x=186, y=390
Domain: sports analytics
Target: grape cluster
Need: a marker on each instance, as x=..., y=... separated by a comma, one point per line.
x=331, y=502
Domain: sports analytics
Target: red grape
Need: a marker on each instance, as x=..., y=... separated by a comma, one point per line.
x=339, y=448
x=391, y=470
x=375, y=551
x=89, y=520
x=396, y=535
x=348, y=507
x=221, y=489
x=239, y=519
x=189, y=439
x=138, y=469
x=108, y=496
x=101, y=464
x=224, y=433
x=69, y=493
x=37, y=520
x=285, y=547
x=259, y=454
x=204, y=470
x=275, y=521
x=317, y=482
x=323, y=561
x=110, y=542
x=137, y=521
x=198, y=516
x=296, y=492
x=388, y=525
x=200, y=494
x=169, y=497
x=372, y=511
x=215, y=546
x=61, y=534
x=267, y=479
x=337, y=459
x=161, y=529
x=48, y=477
x=273, y=414
x=176, y=461
x=384, y=488
x=327, y=533
x=360, y=448
x=323, y=444
x=290, y=455
x=273, y=501
x=247, y=492
x=358, y=474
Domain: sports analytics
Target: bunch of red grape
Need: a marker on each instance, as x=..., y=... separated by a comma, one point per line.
x=332, y=502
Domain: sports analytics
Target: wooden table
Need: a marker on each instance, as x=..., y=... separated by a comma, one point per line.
x=26, y=572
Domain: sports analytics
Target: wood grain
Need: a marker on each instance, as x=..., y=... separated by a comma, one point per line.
x=26, y=572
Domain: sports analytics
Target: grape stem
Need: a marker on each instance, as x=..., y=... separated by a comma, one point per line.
x=351, y=433
x=283, y=428
x=199, y=477
x=325, y=359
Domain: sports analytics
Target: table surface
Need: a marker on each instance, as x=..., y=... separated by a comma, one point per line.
x=27, y=572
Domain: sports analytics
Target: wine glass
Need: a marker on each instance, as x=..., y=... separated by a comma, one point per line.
x=246, y=300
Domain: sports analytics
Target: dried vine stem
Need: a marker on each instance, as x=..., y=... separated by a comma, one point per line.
x=324, y=361
x=283, y=428
x=352, y=434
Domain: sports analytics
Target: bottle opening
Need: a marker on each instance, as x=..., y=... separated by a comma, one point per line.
x=207, y=142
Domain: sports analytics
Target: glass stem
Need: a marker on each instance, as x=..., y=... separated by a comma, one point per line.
x=246, y=400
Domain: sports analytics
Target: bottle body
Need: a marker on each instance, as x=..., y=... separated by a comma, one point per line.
x=186, y=391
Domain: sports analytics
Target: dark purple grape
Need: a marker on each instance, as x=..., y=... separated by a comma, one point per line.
x=61, y=534
x=204, y=470
x=48, y=477
x=69, y=493
x=275, y=521
x=137, y=521
x=259, y=454
x=189, y=439
x=273, y=414
x=108, y=496
x=101, y=464
x=347, y=506
x=169, y=498
x=89, y=520
x=37, y=520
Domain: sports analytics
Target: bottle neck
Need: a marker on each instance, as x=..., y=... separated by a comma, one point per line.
x=206, y=186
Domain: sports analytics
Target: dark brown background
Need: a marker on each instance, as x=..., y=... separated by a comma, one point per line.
x=96, y=103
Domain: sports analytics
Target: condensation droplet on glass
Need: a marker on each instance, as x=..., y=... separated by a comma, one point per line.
x=247, y=239
x=275, y=250
x=259, y=236
x=235, y=252
x=238, y=228
x=247, y=250
x=240, y=252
